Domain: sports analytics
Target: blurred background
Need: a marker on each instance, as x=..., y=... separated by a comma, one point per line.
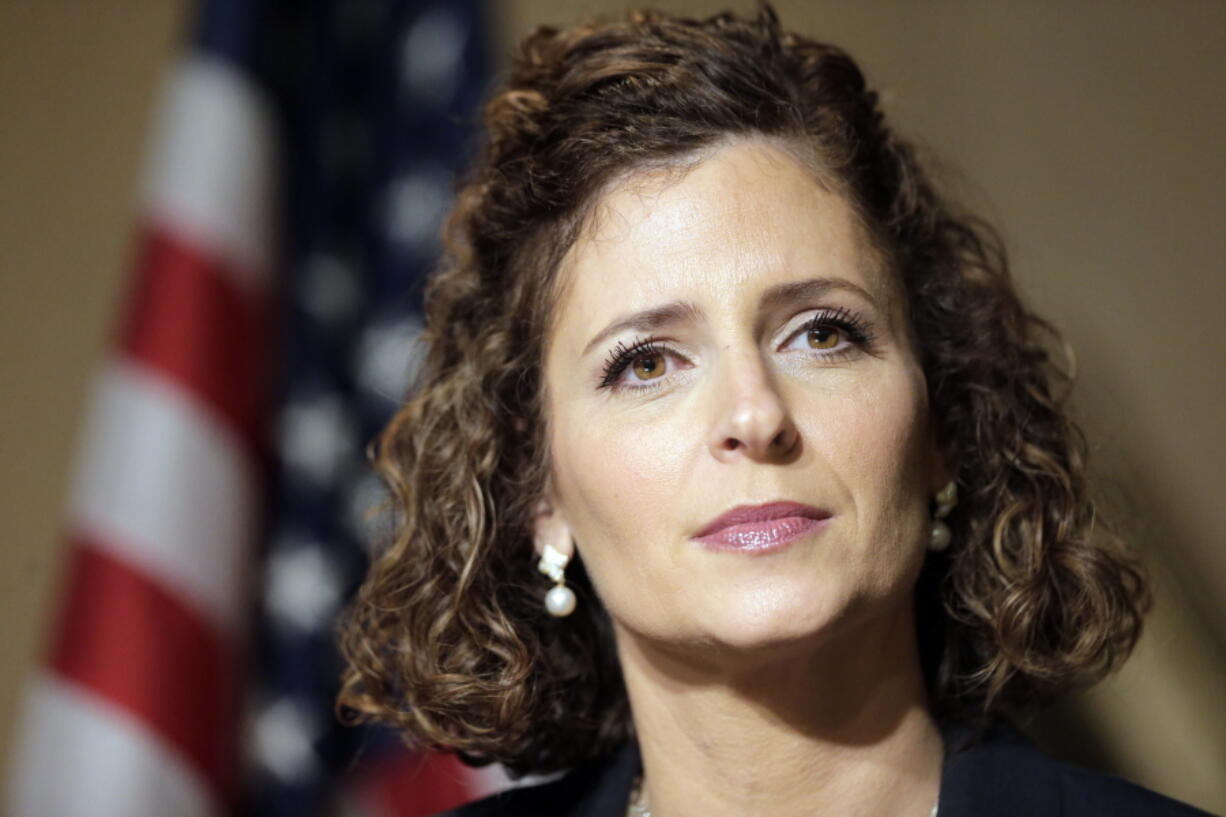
x=320, y=142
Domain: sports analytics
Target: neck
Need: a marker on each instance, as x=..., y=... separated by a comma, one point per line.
x=837, y=728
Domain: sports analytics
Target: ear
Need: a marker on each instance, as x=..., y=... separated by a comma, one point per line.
x=550, y=527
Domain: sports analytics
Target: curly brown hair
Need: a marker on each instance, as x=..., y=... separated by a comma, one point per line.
x=447, y=638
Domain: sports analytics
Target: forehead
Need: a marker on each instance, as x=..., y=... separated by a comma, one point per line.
x=740, y=218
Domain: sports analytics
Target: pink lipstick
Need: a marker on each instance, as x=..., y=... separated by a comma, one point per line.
x=761, y=528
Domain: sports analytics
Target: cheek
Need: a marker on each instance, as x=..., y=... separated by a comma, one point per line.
x=876, y=443
x=880, y=443
x=619, y=496
x=617, y=483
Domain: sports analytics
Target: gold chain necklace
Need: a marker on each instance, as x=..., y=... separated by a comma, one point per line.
x=638, y=806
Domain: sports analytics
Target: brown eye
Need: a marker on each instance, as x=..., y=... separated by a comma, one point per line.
x=649, y=367
x=823, y=337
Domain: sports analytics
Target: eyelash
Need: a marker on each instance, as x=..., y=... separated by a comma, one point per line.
x=851, y=324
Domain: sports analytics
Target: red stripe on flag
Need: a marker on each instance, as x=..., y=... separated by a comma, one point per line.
x=413, y=784
x=188, y=318
x=132, y=642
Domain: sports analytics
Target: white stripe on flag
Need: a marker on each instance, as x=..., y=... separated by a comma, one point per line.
x=75, y=754
x=486, y=780
x=163, y=486
x=209, y=179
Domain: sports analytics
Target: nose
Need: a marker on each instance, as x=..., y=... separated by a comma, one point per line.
x=752, y=420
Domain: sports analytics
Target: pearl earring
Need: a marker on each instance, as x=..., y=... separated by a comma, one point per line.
x=939, y=535
x=560, y=600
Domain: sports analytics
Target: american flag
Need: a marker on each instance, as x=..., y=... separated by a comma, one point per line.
x=301, y=164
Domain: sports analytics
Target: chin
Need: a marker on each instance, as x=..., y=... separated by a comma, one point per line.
x=772, y=619
x=763, y=616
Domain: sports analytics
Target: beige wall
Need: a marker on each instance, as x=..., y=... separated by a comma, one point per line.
x=1092, y=132
x=77, y=81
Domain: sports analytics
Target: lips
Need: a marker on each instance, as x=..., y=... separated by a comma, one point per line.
x=761, y=527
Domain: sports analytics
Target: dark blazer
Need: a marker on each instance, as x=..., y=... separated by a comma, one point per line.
x=996, y=772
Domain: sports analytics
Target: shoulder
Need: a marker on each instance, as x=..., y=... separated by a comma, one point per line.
x=1085, y=792
x=1002, y=772
x=996, y=770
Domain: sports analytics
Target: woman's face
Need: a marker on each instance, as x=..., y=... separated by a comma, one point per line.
x=741, y=398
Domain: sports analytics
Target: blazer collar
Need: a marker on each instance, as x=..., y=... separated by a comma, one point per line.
x=990, y=769
x=995, y=769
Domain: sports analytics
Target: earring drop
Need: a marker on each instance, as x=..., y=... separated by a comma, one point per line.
x=939, y=534
x=560, y=600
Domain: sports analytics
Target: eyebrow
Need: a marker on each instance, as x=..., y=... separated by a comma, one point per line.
x=679, y=311
x=647, y=320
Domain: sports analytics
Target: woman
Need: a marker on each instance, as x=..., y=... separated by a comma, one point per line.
x=709, y=352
